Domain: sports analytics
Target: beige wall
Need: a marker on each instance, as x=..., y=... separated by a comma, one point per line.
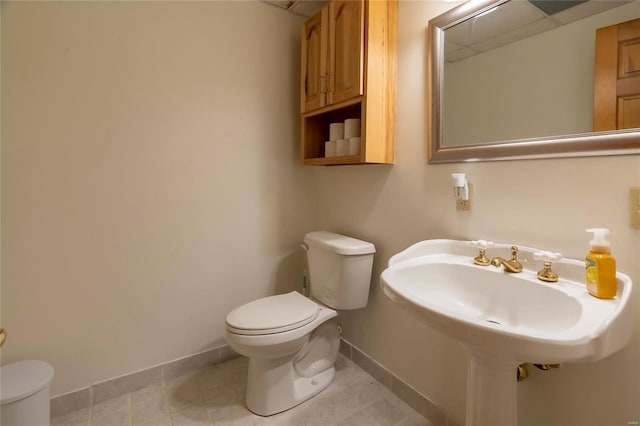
x=150, y=177
x=151, y=182
x=543, y=203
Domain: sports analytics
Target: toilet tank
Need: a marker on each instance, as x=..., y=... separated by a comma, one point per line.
x=339, y=269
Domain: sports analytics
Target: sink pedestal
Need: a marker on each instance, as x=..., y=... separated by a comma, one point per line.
x=491, y=390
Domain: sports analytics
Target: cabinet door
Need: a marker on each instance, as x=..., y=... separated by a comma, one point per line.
x=314, y=53
x=346, y=33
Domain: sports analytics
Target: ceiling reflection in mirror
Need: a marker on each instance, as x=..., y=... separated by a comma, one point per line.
x=522, y=70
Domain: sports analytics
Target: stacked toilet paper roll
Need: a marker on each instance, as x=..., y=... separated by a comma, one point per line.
x=343, y=147
x=344, y=138
x=336, y=131
x=352, y=128
x=352, y=133
x=330, y=149
x=354, y=146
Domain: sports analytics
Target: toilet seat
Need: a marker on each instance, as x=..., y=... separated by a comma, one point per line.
x=272, y=315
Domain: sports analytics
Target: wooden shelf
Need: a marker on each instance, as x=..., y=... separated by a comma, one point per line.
x=315, y=130
x=333, y=161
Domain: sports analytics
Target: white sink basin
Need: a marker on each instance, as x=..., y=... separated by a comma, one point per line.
x=505, y=319
x=515, y=316
x=481, y=296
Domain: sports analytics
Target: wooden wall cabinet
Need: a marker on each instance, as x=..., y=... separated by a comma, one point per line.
x=349, y=71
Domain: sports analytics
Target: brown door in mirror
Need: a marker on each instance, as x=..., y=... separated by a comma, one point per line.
x=617, y=77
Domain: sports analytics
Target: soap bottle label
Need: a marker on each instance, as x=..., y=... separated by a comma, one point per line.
x=592, y=272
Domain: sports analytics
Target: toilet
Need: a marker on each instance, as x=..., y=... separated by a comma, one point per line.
x=292, y=341
x=24, y=393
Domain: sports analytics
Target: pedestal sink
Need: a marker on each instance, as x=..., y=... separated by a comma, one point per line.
x=506, y=319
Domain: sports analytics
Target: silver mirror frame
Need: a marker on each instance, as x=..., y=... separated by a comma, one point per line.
x=621, y=142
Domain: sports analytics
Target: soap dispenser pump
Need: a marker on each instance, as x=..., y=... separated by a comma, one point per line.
x=600, y=266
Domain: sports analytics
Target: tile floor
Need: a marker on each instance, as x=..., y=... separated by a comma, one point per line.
x=215, y=396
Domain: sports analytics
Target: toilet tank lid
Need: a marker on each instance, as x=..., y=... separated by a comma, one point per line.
x=339, y=244
x=23, y=378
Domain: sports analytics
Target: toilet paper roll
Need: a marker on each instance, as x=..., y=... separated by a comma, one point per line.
x=352, y=128
x=336, y=131
x=343, y=147
x=330, y=149
x=354, y=146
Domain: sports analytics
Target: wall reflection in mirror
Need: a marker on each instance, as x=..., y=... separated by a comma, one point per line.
x=523, y=78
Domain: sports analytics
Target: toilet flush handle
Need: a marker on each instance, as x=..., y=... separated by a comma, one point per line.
x=304, y=246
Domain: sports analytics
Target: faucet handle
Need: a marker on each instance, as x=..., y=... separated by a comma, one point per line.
x=481, y=244
x=547, y=256
x=546, y=274
x=481, y=259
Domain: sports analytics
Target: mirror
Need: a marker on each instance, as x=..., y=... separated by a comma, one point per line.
x=514, y=79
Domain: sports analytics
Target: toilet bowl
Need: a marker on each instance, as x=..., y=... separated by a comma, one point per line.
x=289, y=366
x=292, y=341
x=24, y=393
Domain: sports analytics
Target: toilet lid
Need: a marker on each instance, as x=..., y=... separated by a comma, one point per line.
x=273, y=314
x=22, y=379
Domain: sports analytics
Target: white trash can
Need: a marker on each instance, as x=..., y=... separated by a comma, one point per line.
x=24, y=392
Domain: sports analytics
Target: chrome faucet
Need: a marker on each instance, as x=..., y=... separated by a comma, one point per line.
x=511, y=265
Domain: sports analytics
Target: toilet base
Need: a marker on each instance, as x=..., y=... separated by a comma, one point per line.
x=287, y=368
x=273, y=386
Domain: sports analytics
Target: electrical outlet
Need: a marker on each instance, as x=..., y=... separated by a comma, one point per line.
x=634, y=207
x=465, y=205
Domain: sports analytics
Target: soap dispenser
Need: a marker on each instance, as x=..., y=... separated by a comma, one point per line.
x=600, y=266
